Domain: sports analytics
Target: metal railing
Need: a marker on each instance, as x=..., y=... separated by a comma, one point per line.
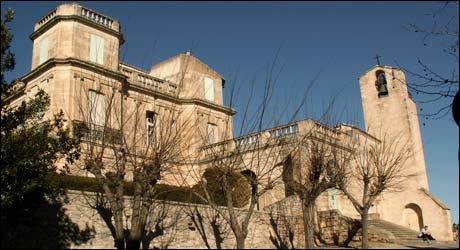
x=95, y=132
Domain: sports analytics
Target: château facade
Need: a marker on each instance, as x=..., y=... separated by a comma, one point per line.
x=76, y=60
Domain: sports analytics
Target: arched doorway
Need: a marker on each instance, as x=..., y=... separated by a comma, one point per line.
x=412, y=217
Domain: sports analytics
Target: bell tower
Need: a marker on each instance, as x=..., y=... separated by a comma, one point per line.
x=389, y=110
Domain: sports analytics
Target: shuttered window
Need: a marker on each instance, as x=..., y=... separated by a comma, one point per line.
x=96, y=108
x=96, y=52
x=209, y=89
x=212, y=133
x=43, y=50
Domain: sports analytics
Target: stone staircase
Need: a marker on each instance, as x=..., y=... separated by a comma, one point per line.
x=402, y=234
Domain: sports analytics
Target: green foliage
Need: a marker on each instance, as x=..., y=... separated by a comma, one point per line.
x=7, y=63
x=162, y=191
x=31, y=146
x=32, y=213
x=31, y=198
x=238, y=182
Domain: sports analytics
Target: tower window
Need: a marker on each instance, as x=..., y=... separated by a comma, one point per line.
x=43, y=50
x=96, y=52
x=209, y=89
x=381, y=83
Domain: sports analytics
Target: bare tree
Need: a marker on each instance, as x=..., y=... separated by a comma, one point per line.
x=431, y=85
x=318, y=163
x=130, y=137
x=378, y=167
x=250, y=165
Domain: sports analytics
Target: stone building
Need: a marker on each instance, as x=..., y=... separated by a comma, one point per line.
x=75, y=59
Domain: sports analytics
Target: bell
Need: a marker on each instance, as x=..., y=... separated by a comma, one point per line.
x=381, y=85
x=382, y=89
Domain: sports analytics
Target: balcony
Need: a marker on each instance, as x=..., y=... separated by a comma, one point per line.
x=92, y=132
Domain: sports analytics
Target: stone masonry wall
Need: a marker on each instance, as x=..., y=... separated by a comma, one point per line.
x=336, y=229
x=179, y=225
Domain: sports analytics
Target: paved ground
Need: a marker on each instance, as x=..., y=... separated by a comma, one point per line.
x=415, y=245
x=419, y=245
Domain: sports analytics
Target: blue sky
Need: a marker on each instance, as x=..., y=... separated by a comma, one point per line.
x=332, y=42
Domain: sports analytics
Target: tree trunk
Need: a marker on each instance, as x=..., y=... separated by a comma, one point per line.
x=308, y=212
x=120, y=243
x=119, y=230
x=240, y=242
x=134, y=244
x=364, y=222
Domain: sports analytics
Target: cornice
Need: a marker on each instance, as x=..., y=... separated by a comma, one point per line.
x=71, y=61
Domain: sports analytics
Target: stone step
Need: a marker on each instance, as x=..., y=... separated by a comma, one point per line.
x=401, y=233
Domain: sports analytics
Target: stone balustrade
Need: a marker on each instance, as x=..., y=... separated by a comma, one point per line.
x=139, y=78
x=324, y=129
x=74, y=10
x=96, y=17
x=48, y=17
x=247, y=142
x=284, y=131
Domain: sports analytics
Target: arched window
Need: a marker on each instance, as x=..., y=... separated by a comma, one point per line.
x=381, y=83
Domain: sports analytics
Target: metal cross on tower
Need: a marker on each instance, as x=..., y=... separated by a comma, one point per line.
x=377, y=57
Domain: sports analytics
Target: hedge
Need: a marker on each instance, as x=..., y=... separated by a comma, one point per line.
x=163, y=191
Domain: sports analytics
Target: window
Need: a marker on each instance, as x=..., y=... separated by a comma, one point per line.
x=96, y=53
x=212, y=133
x=43, y=50
x=150, y=122
x=381, y=83
x=332, y=197
x=96, y=108
x=209, y=89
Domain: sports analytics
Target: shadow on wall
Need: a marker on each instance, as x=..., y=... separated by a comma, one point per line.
x=336, y=229
x=42, y=225
x=284, y=230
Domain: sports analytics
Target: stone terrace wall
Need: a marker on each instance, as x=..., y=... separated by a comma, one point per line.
x=182, y=225
x=336, y=229
x=179, y=225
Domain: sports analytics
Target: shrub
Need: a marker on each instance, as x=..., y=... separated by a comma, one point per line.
x=241, y=187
